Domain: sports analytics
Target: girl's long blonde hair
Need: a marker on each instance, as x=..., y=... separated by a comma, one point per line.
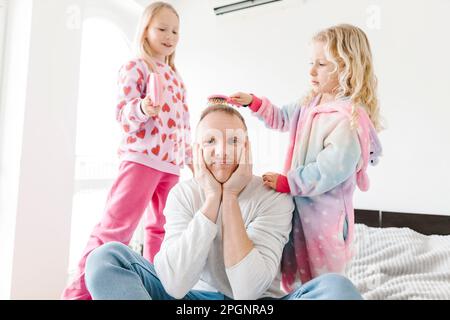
x=143, y=45
x=347, y=47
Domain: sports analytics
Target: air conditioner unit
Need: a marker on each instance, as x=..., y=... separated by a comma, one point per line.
x=227, y=6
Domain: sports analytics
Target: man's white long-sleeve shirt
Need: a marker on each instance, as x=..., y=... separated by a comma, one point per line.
x=191, y=255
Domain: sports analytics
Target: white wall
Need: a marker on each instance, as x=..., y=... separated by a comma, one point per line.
x=46, y=162
x=264, y=50
x=12, y=106
x=3, y=9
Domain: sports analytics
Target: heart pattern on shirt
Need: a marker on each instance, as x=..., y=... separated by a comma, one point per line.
x=130, y=65
x=171, y=123
x=141, y=134
x=121, y=104
x=155, y=150
x=154, y=131
x=173, y=137
x=126, y=90
x=140, y=80
x=166, y=108
x=173, y=86
x=141, y=74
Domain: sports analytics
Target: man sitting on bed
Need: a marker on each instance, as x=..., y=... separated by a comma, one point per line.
x=225, y=233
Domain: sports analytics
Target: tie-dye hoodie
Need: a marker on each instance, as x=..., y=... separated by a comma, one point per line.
x=326, y=160
x=161, y=142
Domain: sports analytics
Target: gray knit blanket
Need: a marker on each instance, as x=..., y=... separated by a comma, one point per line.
x=399, y=263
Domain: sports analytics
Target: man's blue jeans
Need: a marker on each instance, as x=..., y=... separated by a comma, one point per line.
x=114, y=271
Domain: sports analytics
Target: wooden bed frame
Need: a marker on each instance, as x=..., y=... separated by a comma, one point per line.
x=424, y=223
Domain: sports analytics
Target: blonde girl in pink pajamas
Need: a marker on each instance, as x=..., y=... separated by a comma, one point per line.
x=333, y=137
x=155, y=142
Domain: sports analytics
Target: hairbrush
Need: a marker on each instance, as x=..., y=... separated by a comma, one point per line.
x=222, y=99
x=155, y=88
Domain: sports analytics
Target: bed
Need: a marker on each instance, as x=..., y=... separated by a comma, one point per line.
x=400, y=263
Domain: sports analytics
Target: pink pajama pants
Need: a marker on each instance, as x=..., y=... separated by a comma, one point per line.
x=135, y=187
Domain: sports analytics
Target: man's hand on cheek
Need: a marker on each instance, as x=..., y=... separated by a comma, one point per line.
x=242, y=175
x=210, y=186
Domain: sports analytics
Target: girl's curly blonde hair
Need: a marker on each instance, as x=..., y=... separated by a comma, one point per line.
x=347, y=47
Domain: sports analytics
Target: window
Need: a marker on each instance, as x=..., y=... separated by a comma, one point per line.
x=103, y=50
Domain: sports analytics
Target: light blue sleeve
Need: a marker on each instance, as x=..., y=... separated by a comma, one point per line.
x=274, y=117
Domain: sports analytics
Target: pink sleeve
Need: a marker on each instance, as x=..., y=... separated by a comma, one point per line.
x=256, y=103
x=282, y=184
x=131, y=85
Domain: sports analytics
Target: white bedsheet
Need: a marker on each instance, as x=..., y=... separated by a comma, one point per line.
x=399, y=263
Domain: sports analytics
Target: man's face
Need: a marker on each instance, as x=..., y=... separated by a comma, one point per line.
x=222, y=137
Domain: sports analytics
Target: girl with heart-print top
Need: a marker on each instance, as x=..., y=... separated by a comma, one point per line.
x=154, y=120
x=333, y=137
